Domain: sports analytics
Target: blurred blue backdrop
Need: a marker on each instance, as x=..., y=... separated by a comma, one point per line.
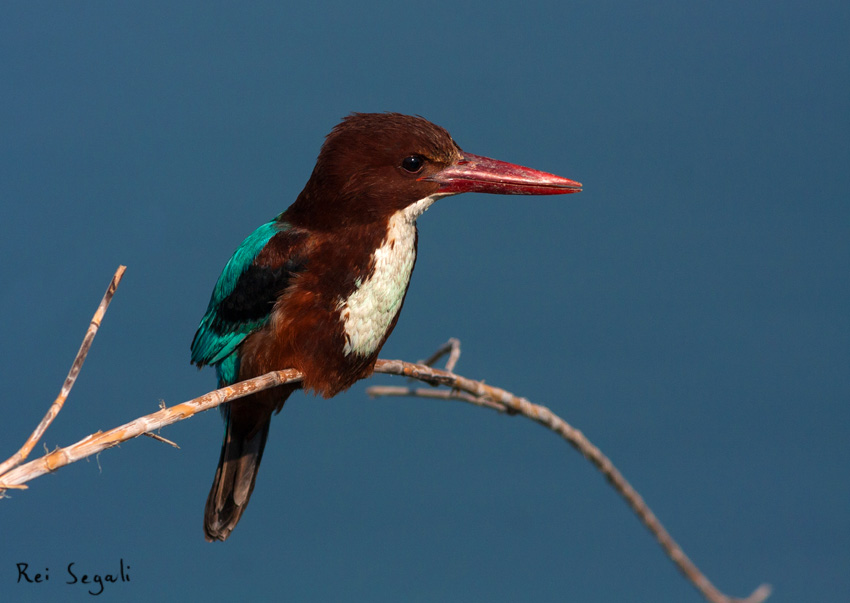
x=688, y=311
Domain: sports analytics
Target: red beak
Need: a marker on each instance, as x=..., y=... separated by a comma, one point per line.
x=475, y=174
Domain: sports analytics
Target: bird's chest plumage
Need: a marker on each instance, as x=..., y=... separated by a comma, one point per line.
x=368, y=312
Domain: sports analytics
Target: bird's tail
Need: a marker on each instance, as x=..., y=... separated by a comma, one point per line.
x=244, y=441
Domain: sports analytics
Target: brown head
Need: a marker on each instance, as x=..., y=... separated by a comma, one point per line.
x=373, y=165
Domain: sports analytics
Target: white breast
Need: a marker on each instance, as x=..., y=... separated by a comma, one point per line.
x=368, y=312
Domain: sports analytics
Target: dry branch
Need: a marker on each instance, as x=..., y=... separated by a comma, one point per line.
x=15, y=475
x=100, y=441
x=481, y=394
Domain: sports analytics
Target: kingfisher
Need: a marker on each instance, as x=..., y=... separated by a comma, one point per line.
x=319, y=288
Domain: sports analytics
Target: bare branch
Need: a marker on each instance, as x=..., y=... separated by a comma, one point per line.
x=481, y=394
x=100, y=441
x=20, y=456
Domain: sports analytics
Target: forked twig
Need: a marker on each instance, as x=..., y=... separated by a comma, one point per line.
x=452, y=348
x=21, y=455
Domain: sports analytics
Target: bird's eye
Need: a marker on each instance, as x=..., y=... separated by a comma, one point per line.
x=412, y=164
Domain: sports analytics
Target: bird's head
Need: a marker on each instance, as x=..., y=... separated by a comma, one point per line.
x=373, y=165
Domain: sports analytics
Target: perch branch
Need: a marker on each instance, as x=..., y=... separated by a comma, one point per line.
x=100, y=441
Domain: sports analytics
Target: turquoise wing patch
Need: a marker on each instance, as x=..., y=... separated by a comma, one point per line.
x=219, y=333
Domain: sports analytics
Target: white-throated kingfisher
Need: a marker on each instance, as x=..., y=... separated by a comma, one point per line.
x=320, y=287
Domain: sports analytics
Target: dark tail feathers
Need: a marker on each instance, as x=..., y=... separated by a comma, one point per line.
x=241, y=453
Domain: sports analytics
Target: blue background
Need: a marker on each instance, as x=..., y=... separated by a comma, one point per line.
x=688, y=311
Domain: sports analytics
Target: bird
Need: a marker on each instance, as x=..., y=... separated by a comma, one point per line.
x=319, y=288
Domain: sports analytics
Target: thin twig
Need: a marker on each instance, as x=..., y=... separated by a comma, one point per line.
x=54, y=409
x=377, y=391
x=159, y=438
x=452, y=348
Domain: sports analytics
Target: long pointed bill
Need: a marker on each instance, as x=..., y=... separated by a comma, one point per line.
x=475, y=174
